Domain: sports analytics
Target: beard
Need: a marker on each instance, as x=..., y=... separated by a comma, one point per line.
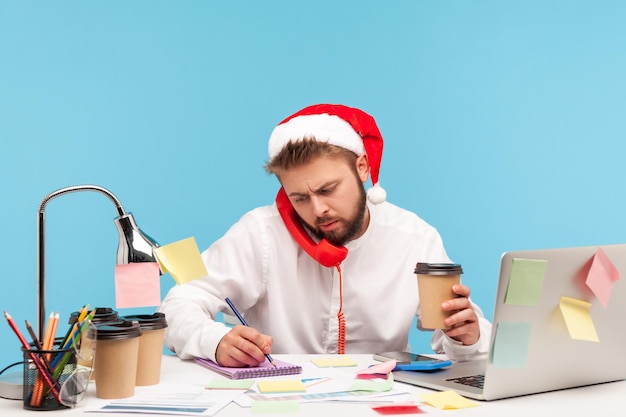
x=352, y=227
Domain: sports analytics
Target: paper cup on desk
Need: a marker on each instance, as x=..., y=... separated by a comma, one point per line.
x=102, y=315
x=435, y=283
x=150, y=347
x=116, y=359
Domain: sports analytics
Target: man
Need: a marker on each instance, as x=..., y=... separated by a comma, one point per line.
x=301, y=297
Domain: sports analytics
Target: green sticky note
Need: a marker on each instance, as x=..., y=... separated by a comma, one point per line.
x=275, y=407
x=373, y=385
x=526, y=281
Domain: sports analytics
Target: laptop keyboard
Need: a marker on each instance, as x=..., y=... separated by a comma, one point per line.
x=477, y=381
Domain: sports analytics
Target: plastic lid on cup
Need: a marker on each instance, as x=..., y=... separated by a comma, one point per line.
x=423, y=268
x=154, y=321
x=102, y=315
x=121, y=329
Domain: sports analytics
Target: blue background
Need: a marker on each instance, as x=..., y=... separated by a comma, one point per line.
x=503, y=120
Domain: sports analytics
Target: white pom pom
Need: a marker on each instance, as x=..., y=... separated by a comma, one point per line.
x=376, y=194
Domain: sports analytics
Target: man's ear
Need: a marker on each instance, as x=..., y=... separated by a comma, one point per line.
x=362, y=167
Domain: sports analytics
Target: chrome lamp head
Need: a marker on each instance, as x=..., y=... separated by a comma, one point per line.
x=133, y=245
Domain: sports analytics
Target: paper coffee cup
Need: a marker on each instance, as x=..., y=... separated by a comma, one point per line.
x=101, y=315
x=434, y=282
x=150, y=347
x=116, y=359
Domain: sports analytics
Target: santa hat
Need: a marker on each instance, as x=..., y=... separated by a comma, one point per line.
x=338, y=125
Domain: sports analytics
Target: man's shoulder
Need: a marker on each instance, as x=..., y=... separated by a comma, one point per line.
x=262, y=215
x=388, y=213
x=387, y=209
x=255, y=222
x=263, y=212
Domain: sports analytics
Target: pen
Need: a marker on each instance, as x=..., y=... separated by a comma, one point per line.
x=243, y=321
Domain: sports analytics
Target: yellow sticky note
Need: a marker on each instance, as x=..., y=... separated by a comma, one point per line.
x=182, y=260
x=448, y=400
x=578, y=319
x=281, y=385
x=334, y=362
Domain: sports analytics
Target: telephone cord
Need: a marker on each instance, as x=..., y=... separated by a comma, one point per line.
x=341, y=320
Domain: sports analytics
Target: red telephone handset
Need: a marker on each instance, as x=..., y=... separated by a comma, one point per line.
x=323, y=252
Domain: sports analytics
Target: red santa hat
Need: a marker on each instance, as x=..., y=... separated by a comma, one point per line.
x=338, y=125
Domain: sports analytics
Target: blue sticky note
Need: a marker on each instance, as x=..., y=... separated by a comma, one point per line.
x=510, y=345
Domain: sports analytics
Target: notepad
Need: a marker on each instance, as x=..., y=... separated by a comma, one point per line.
x=263, y=370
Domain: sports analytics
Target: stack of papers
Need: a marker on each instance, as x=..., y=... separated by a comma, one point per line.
x=207, y=396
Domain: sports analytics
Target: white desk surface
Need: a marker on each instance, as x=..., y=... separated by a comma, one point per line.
x=602, y=399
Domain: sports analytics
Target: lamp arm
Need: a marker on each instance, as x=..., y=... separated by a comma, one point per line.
x=76, y=188
x=41, y=246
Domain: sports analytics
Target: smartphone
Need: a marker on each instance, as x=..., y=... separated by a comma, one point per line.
x=407, y=361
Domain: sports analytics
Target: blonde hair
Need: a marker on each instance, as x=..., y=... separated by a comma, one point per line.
x=301, y=152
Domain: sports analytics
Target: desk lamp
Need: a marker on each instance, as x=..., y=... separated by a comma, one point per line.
x=133, y=245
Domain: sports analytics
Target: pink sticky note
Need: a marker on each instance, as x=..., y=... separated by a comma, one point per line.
x=375, y=371
x=137, y=285
x=397, y=408
x=601, y=277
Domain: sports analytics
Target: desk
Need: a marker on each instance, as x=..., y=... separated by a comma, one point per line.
x=602, y=399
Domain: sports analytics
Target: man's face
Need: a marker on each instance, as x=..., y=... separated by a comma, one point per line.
x=329, y=197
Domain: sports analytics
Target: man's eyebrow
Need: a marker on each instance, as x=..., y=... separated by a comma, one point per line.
x=316, y=191
x=295, y=194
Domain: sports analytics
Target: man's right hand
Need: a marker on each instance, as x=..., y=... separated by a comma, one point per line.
x=243, y=346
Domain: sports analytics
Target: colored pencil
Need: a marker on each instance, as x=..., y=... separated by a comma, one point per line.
x=48, y=343
x=81, y=314
x=78, y=329
x=40, y=367
x=38, y=345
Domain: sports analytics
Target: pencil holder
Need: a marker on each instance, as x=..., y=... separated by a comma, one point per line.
x=37, y=393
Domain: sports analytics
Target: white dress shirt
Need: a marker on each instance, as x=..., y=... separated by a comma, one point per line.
x=284, y=293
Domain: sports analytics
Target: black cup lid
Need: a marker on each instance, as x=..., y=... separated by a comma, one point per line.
x=103, y=314
x=148, y=321
x=438, y=269
x=121, y=329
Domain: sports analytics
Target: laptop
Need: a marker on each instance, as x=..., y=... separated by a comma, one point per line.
x=532, y=349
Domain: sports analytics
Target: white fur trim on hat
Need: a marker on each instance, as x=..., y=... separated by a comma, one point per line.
x=376, y=194
x=322, y=127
